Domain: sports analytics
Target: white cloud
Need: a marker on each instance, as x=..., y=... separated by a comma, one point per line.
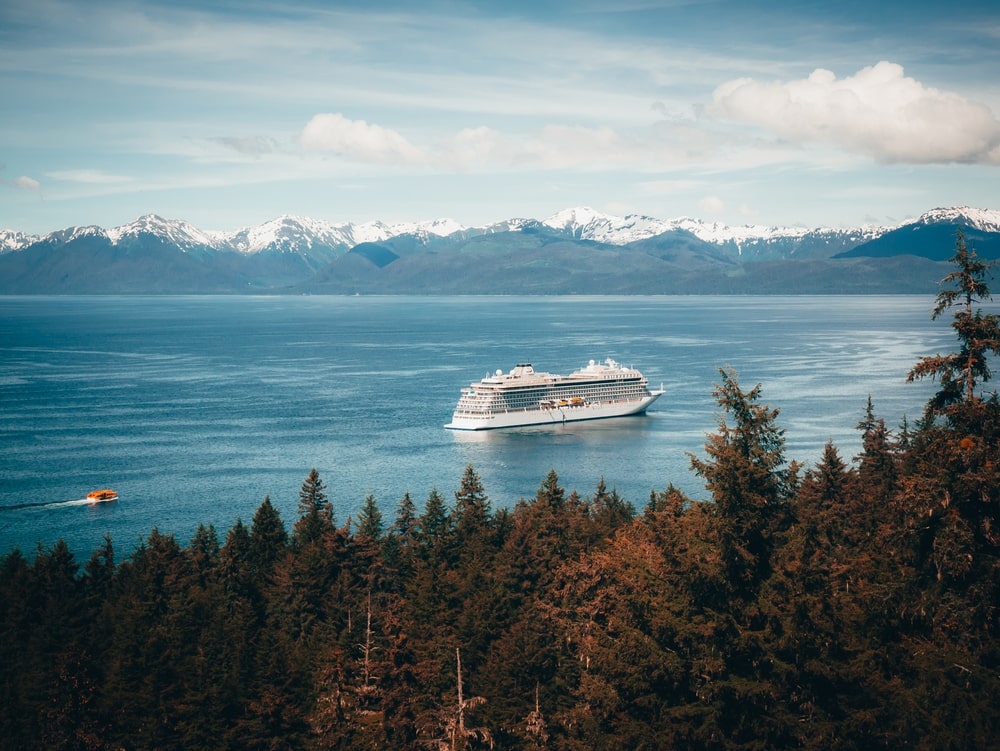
x=562, y=146
x=711, y=205
x=25, y=183
x=477, y=146
x=356, y=139
x=878, y=112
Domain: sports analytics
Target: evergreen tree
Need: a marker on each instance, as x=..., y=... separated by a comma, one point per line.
x=315, y=512
x=370, y=519
x=203, y=551
x=978, y=334
x=951, y=502
x=435, y=522
x=551, y=493
x=609, y=511
x=405, y=525
x=400, y=544
x=749, y=483
x=877, y=469
x=367, y=552
x=268, y=539
x=472, y=515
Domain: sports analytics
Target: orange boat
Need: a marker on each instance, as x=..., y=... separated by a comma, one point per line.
x=102, y=496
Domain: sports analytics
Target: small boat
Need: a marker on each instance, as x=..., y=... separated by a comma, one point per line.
x=102, y=496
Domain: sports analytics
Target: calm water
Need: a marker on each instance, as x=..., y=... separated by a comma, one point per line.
x=194, y=408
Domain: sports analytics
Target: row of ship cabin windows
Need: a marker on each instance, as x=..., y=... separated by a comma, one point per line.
x=530, y=399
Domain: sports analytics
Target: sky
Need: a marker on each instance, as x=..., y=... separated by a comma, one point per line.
x=230, y=114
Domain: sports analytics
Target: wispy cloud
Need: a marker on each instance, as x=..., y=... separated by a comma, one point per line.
x=90, y=177
x=252, y=146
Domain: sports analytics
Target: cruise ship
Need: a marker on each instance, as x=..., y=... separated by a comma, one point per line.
x=525, y=396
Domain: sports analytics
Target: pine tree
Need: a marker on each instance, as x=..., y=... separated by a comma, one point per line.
x=472, y=514
x=749, y=483
x=978, y=334
x=609, y=511
x=370, y=519
x=877, y=470
x=435, y=522
x=315, y=512
x=404, y=527
x=951, y=499
x=203, y=551
x=268, y=539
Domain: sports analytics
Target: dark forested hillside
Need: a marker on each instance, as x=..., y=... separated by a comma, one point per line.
x=846, y=605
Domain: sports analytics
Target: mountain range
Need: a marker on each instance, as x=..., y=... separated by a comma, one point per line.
x=576, y=251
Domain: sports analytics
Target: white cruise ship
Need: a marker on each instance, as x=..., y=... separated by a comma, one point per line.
x=525, y=396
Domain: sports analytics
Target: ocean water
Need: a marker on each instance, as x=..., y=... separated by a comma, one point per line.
x=195, y=408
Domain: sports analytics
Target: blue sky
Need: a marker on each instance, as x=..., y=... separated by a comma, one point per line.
x=228, y=114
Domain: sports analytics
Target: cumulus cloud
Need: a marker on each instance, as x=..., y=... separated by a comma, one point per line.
x=357, y=139
x=879, y=112
x=25, y=183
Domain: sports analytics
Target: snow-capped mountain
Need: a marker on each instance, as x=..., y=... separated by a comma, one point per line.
x=284, y=234
x=287, y=233
x=298, y=233
x=985, y=220
x=587, y=224
x=13, y=240
x=176, y=231
x=595, y=253
x=290, y=233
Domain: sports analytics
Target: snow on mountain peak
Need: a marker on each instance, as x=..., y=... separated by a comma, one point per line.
x=13, y=240
x=179, y=232
x=290, y=233
x=592, y=225
x=986, y=220
x=586, y=223
x=581, y=216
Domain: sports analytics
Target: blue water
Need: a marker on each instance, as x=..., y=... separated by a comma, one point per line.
x=195, y=408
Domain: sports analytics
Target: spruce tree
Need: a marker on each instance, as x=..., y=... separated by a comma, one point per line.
x=749, y=483
x=961, y=372
x=370, y=519
x=472, y=514
x=315, y=512
x=268, y=539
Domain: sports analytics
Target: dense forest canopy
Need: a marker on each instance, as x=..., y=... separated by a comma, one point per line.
x=847, y=605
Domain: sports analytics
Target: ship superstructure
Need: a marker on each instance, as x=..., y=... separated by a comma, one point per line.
x=525, y=396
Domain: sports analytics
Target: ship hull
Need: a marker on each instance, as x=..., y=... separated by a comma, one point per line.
x=554, y=415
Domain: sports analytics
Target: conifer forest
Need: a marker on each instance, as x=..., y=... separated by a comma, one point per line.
x=848, y=605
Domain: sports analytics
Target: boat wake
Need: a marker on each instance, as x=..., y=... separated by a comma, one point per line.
x=49, y=504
